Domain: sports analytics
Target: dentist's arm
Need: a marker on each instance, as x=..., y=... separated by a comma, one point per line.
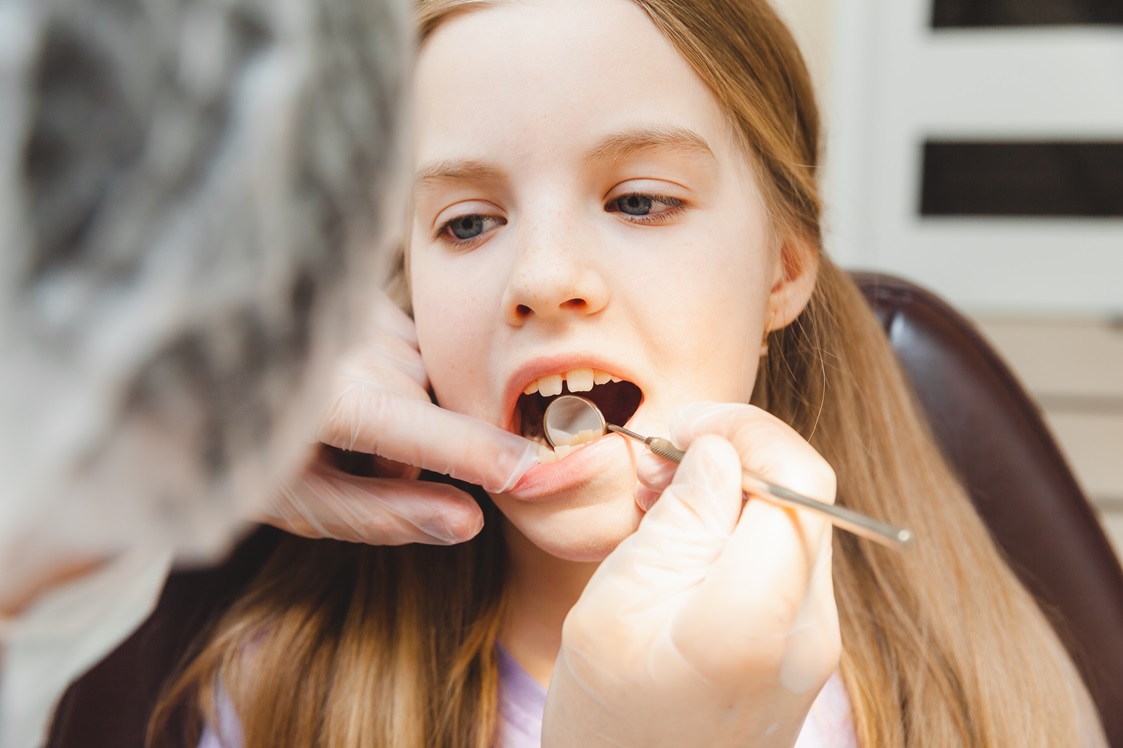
x=380, y=407
x=712, y=624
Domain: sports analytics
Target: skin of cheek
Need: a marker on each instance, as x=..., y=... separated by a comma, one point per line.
x=707, y=325
x=450, y=296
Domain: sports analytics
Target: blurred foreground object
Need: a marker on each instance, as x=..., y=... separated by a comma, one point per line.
x=193, y=196
x=190, y=197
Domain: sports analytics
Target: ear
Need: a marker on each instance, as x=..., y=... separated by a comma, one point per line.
x=793, y=282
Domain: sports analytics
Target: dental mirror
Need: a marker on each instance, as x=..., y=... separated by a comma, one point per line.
x=570, y=419
x=573, y=420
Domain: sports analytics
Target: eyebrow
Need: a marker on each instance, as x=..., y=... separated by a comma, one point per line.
x=466, y=170
x=616, y=147
x=623, y=145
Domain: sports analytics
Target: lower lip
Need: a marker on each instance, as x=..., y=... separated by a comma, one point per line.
x=579, y=467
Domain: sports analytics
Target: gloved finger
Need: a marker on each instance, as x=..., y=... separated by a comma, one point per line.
x=773, y=575
x=328, y=503
x=391, y=367
x=767, y=445
x=772, y=449
x=653, y=475
x=814, y=645
x=389, y=357
x=429, y=437
x=387, y=318
x=780, y=594
x=679, y=539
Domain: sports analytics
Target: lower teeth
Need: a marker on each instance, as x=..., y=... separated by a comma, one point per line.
x=575, y=442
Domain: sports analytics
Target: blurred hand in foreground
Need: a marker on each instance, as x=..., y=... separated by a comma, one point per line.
x=380, y=407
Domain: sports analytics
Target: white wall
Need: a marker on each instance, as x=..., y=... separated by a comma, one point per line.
x=812, y=22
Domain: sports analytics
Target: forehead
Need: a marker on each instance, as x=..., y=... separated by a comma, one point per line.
x=535, y=77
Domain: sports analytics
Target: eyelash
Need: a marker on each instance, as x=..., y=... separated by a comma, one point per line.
x=444, y=231
x=675, y=207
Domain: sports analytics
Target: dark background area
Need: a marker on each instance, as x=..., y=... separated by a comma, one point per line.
x=981, y=13
x=1018, y=179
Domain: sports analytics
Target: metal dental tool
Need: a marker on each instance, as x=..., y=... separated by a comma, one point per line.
x=569, y=415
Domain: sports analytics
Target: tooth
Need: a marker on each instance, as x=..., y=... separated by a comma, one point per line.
x=581, y=438
x=545, y=454
x=563, y=450
x=601, y=377
x=580, y=380
x=550, y=385
x=615, y=379
x=531, y=388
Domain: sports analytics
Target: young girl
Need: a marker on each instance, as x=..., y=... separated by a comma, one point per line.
x=618, y=198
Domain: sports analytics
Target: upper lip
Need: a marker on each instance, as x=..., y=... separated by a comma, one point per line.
x=555, y=364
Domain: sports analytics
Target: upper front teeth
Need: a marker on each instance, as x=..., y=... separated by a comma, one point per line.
x=579, y=380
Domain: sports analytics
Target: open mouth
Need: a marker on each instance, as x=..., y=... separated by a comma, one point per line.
x=617, y=399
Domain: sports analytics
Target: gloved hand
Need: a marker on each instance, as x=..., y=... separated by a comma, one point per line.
x=712, y=624
x=380, y=406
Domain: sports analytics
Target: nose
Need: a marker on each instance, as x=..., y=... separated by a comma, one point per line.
x=554, y=277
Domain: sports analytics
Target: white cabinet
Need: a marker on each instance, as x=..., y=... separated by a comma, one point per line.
x=897, y=83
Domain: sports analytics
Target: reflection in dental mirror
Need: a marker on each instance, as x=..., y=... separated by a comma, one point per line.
x=571, y=420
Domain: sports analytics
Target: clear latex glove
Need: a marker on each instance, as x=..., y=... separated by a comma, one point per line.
x=380, y=406
x=712, y=624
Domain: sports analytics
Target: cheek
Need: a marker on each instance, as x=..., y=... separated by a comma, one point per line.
x=741, y=307
x=448, y=312
x=719, y=303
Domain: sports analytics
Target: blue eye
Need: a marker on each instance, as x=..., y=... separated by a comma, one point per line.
x=465, y=229
x=634, y=205
x=641, y=208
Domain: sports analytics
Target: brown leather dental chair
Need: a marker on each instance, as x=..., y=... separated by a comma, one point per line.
x=996, y=440
x=990, y=430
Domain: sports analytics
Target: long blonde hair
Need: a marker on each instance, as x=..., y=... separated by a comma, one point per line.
x=342, y=645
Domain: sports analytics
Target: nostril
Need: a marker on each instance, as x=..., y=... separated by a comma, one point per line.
x=575, y=304
x=522, y=310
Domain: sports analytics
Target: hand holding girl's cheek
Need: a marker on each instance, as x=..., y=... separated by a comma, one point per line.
x=380, y=411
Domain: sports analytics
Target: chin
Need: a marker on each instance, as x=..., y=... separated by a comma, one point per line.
x=575, y=529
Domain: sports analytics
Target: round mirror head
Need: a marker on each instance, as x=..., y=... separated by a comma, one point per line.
x=571, y=420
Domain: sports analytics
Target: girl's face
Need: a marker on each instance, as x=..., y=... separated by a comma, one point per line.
x=580, y=208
